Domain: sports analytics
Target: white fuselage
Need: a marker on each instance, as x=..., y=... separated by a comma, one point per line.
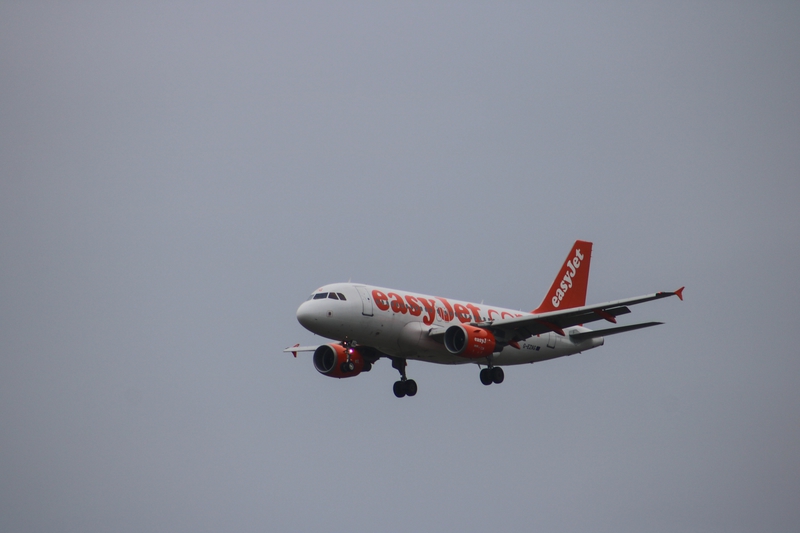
x=398, y=322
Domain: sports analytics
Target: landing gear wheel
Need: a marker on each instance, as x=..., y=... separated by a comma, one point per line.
x=411, y=387
x=348, y=366
x=486, y=376
x=399, y=389
x=497, y=374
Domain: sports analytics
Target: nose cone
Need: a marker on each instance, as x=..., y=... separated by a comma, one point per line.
x=305, y=316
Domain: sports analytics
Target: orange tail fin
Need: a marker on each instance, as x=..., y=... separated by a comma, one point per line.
x=569, y=288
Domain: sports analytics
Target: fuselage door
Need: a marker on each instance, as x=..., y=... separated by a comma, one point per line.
x=551, y=340
x=366, y=300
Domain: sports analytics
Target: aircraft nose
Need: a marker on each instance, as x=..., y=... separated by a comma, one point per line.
x=304, y=315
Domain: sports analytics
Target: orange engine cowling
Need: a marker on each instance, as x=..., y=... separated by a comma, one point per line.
x=469, y=341
x=331, y=360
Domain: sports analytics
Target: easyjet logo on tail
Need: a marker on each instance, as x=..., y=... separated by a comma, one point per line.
x=569, y=288
x=569, y=275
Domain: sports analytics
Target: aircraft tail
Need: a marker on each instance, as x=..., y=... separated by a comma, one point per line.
x=569, y=288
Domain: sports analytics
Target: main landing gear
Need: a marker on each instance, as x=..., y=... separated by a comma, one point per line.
x=404, y=387
x=492, y=374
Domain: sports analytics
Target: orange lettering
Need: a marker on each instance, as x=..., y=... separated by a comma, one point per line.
x=380, y=300
x=398, y=305
x=413, y=306
x=476, y=312
x=462, y=313
x=446, y=315
x=430, y=309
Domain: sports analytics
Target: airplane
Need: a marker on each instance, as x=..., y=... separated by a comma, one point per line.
x=369, y=323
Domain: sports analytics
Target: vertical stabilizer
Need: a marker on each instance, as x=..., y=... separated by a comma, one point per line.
x=569, y=288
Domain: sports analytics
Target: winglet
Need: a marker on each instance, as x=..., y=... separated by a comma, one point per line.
x=679, y=293
x=295, y=353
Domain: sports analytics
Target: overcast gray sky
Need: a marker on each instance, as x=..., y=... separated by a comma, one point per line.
x=176, y=179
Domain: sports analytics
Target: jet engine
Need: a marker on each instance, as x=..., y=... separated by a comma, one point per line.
x=336, y=361
x=469, y=341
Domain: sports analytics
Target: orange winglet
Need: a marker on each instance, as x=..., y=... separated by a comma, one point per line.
x=515, y=344
x=295, y=353
x=679, y=293
x=607, y=316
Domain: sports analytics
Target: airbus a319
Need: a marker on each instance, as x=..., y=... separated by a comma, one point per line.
x=368, y=323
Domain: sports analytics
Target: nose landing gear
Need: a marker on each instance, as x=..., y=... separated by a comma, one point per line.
x=348, y=365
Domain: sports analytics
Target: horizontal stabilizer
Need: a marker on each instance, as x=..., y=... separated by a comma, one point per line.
x=610, y=331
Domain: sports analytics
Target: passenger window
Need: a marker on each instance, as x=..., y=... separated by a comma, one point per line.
x=320, y=296
x=341, y=296
x=332, y=296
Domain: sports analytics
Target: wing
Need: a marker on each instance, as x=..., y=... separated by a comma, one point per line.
x=529, y=325
x=370, y=354
x=297, y=348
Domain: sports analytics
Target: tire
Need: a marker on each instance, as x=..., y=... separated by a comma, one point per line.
x=348, y=366
x=411, y=387
x=486, y=376
x=498, y=375
x=399, y=389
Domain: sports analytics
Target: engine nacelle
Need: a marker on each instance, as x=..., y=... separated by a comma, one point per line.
x=469, y=341
x=331, y=360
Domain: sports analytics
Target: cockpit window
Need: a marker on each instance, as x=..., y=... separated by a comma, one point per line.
x=332, y=296
x=341, y=296
x=320, y=295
